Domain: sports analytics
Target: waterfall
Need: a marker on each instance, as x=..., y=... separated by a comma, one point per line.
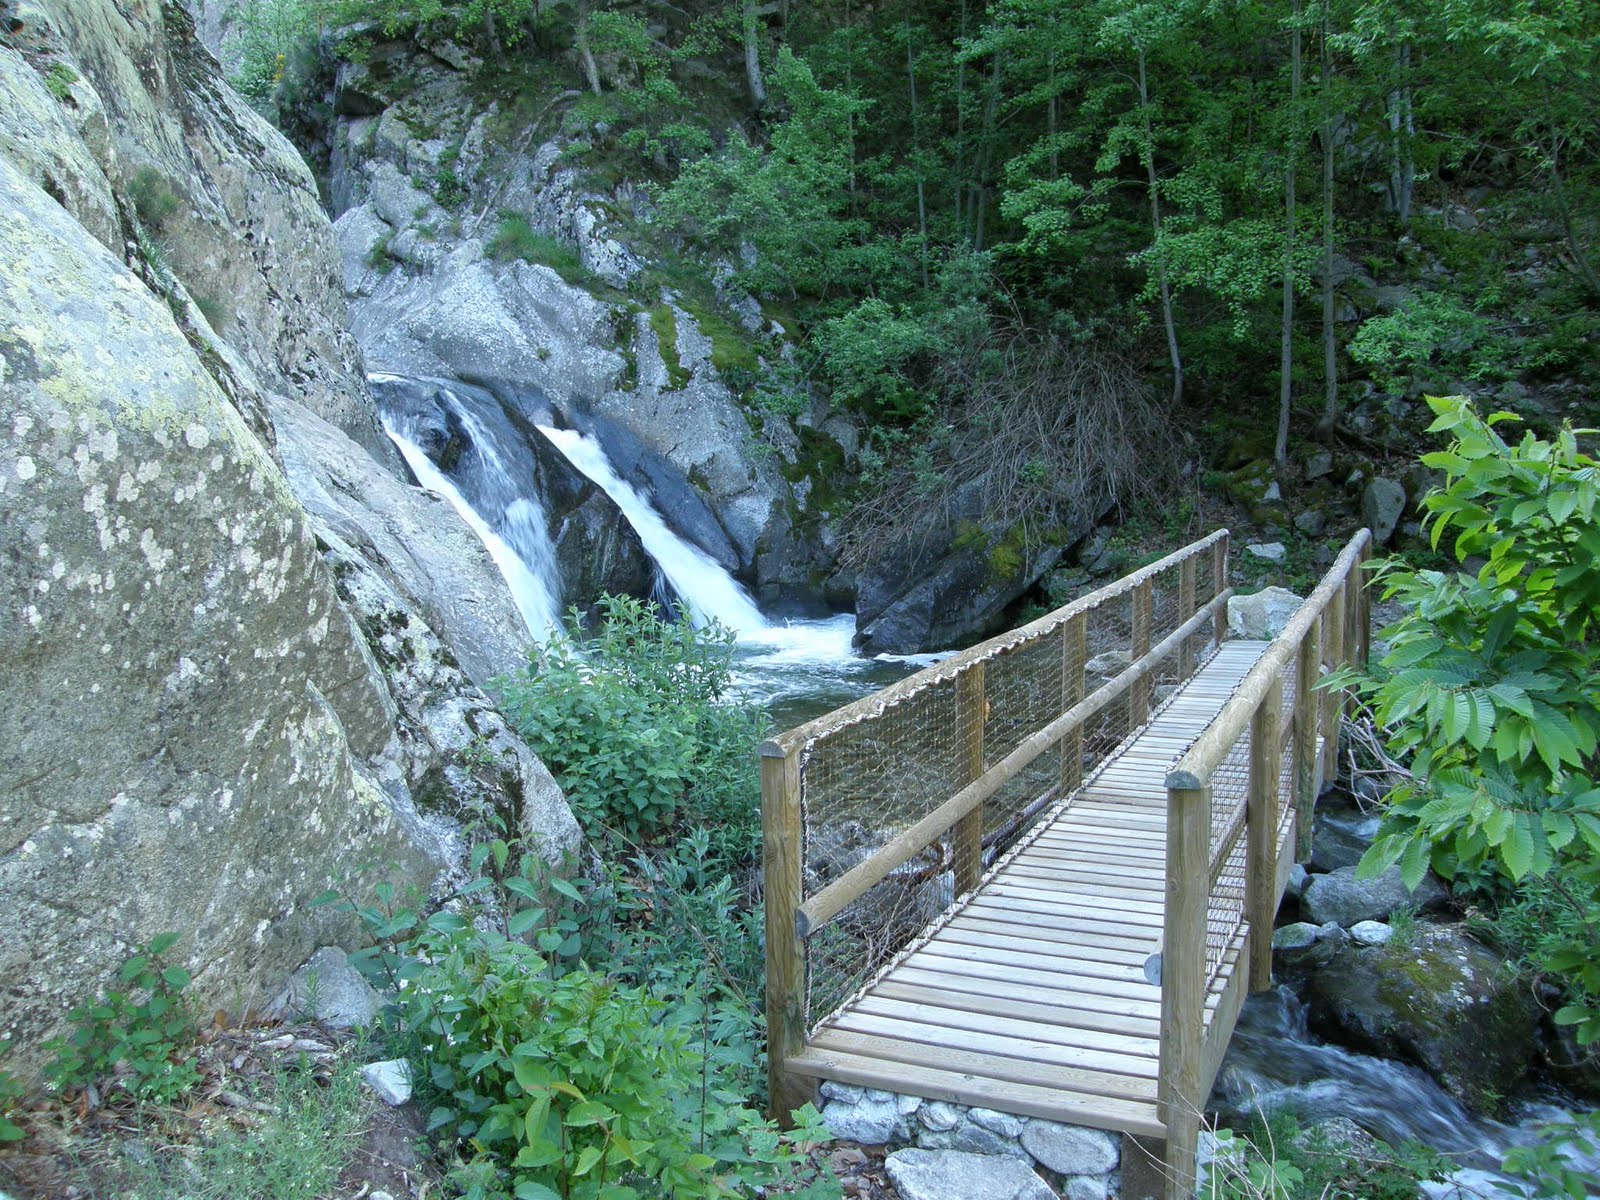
x=532, y=594
x=492, y=487
x=704, y=587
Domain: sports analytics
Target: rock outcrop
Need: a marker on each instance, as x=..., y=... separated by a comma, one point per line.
x=449, y=280
x=216, y=705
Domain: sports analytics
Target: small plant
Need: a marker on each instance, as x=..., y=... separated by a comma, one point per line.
x=59, y=81
x=139, y=1037
x=378, y=256
x=11, y=1093
x=1555, y=1164
x=153, y=196
x=449, y=189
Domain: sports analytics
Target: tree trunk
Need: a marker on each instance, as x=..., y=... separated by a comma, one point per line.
x=961, y=128
x=591, y=72
x=752, y=56
x=916, y=152
x=1167, y=318
x=1330, y=355
x=1402, y=129
x=1580, y=259
x=1280, y=446
x=986, y=149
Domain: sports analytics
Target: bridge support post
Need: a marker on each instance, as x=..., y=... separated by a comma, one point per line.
x=1186, y=574
x=1219, y=581
x=1261, y=829
x=1074, y=650
x=1179, y=1086
x=1333, y=653
x=1138, y=647
x=972, y=711
x=1307, y=705
x=782, y=866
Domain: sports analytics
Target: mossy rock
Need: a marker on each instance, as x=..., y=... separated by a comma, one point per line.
x=1438, y=999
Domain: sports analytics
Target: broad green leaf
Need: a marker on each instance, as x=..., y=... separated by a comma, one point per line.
x=1516, y=851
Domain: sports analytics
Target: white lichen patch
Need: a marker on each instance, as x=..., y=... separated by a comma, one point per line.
x=25, y=469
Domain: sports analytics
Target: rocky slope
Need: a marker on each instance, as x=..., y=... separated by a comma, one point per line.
x=235, y=670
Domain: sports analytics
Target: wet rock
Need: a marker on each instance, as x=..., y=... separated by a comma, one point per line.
x=956, y=1175
x=1440, y=1000
x=1382, y=503
x=1342, y=898
x=1272, y=552
x=1296, y=936
x=1371, y=933
x=1341, y=833
x=1262, y=615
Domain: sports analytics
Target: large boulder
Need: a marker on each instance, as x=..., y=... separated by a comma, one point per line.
x=1436, y=998
x=189, y=703
x=206, y=185
x=1341, y=898
x=1383, y=501
x=1262, y=615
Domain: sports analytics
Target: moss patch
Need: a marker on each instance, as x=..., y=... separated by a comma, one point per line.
x=664, y=322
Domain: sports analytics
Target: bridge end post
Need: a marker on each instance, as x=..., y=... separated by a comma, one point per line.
x=1332, y=704
x=1074, y=652
x=966, y=839
x=1183, y=983
x=782, y=840
x=1261, y=830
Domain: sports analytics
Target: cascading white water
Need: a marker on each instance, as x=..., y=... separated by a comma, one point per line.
x=531, y=593
x=704, y=587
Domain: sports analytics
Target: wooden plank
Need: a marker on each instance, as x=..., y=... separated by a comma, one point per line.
x=1067, y=972
x=1062, y=919
x=1011, y=884
x=957, y=991
x=1042, y=1073
x=1043, y=940
x=1034, y=983
x=1136, y=1074
x=982, y=1006
x=1027, y=1100
x=1141, y=1050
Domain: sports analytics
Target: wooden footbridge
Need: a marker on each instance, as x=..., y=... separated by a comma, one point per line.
x=1041, y=875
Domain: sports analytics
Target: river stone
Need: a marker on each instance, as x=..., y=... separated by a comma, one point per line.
x=175, y=626
x=1438, y=999
x=1341, y=832
x=1382, y=502
x=1298, y=878
x=869, y=1121
x=1313, y=522
x=328, y=989
x=1272, y=552
x=1071, y=1149
x=958, y=1175
x=1262, y=615
x=1318, y=465
x=1004, y=1124
x=1087, y=1187
x=1340, y=897
x=1371, y=933
x=390, y=1080
x=1297, y=936
x=938, y=1116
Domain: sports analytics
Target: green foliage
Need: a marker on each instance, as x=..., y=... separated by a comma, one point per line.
x=59, y=79
x=11, y=1094
x=137, y=1039
x=1279, y=1160
x=515, y=238
x=153, y=196
x=1491, y=687
x=638, y=728
x=1551, y=1164
x=1431, y=334
x=555, y=1078
x=296, y=1151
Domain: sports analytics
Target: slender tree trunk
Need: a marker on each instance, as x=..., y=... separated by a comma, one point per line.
x=752, y=56
x=1558, y=188
x=591, y=72
x=961, y=128
x=1402, y=128
x=1167, y=318
x=991, y=111
x=1280, y=446
x=916, y=153
x=1330, y=355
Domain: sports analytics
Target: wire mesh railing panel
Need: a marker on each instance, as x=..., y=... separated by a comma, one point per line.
x=843, y=956
x=1230, y=796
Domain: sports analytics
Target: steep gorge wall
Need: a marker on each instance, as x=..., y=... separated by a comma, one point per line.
x=216, y=703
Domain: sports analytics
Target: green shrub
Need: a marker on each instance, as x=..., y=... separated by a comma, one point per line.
x=139, y=1038
x=1491, y=687
x=153, y=196
x=664, y=323
x=515, y=238
x=637, y=726
x=552, y=1077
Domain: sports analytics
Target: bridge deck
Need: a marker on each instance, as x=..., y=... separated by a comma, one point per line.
x=1031, y=996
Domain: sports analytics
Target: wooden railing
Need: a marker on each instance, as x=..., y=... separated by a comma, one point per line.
x=990, y=714
x=1226, y=819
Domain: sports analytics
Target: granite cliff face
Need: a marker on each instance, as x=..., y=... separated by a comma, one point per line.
x=226, y=686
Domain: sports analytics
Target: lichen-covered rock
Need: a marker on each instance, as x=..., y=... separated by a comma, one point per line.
x=1262, y=615
x=1340, y=897
x=1438, y=999
x=222, y=195
x=189, y=704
